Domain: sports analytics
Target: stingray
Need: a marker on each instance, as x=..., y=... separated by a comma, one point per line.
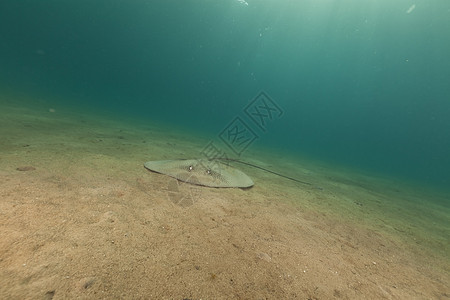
x=211, y=173
x=204, y=172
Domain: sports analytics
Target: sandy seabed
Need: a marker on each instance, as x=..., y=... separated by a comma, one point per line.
x=80, y=217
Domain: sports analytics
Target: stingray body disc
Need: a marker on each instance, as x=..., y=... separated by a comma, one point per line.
x=201, y=172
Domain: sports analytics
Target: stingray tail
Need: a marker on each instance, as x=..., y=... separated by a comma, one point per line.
x=266, y=170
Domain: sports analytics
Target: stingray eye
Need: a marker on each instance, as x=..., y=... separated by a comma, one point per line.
x=208, y=171
x=191, y=168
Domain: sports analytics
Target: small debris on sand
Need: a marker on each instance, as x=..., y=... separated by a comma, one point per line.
x=26, y=168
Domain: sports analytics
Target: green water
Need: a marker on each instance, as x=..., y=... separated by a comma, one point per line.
x=361, y=84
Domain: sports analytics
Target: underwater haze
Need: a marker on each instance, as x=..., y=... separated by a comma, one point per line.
x=364, y=84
